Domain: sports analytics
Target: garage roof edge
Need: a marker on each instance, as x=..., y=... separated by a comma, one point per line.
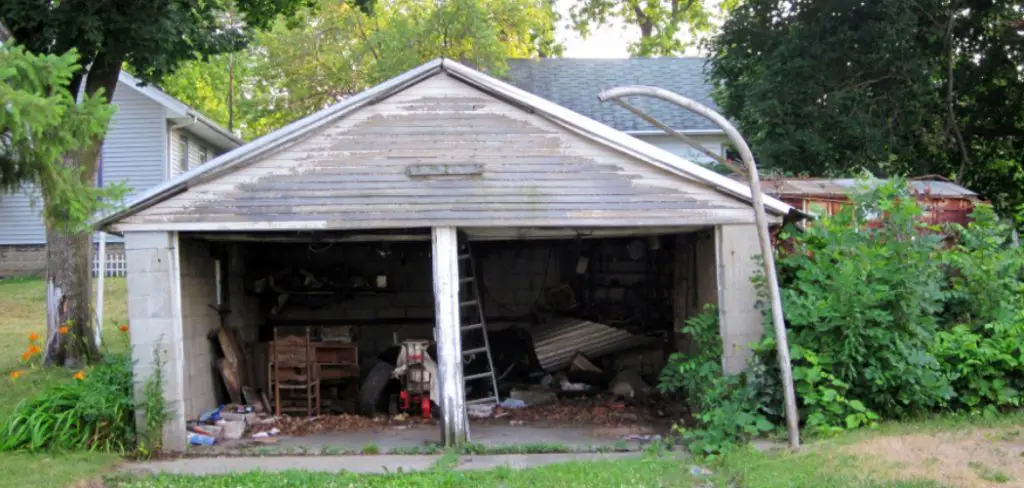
x=300, y=128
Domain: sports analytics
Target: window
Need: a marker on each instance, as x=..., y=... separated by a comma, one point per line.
x=204, y=155
x=182, y=162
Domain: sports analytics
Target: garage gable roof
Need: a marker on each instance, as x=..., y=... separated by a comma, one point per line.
x=584, y=126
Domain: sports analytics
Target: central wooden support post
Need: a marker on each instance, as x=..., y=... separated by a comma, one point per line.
x=448, y=335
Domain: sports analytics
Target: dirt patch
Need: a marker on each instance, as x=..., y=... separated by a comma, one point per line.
x=984, y=458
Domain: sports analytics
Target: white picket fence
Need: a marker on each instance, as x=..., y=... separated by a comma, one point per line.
x=117, y=265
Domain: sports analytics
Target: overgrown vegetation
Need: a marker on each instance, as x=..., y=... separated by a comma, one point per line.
x=886, y=320
x=725, y=407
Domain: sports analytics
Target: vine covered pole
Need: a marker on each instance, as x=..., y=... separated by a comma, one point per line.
x=767, y=254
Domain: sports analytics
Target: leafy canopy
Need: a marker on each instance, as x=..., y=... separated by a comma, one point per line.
x=901, y=87
x=40, y=123
x=334, y=49
x=667, y=27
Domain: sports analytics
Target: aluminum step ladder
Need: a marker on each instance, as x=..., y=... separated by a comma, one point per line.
x=474, y=327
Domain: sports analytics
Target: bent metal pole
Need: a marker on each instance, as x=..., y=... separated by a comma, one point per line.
x=782, y=344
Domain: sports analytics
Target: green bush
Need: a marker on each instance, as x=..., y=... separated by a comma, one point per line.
x=985, y=271
x=862, y=291
x=985, y=366
x=94, y=413
x=726, y=409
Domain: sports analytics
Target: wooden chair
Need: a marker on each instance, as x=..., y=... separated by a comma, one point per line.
x=294, y=370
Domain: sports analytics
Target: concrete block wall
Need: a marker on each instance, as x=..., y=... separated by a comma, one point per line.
x=199, y=322
x=156, y=326
x=739, y=309
x=22, y=260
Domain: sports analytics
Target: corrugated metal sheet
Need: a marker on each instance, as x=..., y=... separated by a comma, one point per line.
x=556, y=343
x=133, y=154
x=531, y=172
x=791, y=187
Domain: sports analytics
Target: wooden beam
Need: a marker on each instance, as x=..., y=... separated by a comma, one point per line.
x=447, y=334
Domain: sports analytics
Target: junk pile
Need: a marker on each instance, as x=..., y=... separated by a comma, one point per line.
x=584, y=372
x=224, y=423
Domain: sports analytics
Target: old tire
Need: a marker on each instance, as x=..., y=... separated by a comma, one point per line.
x=372, y=389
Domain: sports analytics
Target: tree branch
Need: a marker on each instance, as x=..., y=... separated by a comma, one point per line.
x=951, y=112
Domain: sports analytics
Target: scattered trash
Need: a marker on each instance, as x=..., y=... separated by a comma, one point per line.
x=641, y=438
x=401, y=427
x=515, y=423
x=547, y=381
x=211, y=416
x=533, y=397
x=210, y=430
x=480, y=411
x=512, y=403
x=261, y=435
x=566, y=385
x=402, y=417
x=629, y=384
x=581, y=363
x=200, y=439
x=232, y=429
x=699, y=471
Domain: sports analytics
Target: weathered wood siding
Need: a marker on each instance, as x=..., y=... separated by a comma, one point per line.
x=355, y=174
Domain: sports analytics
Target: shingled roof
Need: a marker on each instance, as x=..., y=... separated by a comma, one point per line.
x=575, y=83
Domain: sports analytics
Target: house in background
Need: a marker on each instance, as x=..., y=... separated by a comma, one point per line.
x=575, y=83
x=152, y=137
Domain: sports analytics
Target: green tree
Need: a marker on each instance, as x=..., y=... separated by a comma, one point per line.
x=152, y=38
x=667, y=27
x=911, y=87
x=335, y=49
x=40, y=123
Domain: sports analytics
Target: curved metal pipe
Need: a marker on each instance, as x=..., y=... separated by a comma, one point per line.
x=768, y=257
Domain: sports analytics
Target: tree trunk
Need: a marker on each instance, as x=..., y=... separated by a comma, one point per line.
x=68, y=283
x=69, y=252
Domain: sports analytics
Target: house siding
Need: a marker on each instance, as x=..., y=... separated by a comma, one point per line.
x=133, y=154
x=353, y=174
x=672, y=144
x=195, y=152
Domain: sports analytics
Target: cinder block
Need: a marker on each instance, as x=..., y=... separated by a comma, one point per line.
x=147, y=240
x=147, y=260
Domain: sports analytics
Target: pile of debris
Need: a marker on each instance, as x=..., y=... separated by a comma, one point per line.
x=604, y=410
x=226, y=423
x=301, y=426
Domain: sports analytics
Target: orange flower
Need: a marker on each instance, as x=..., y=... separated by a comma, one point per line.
x=63, y=330
x=123, y=328
x=15, y=374
x=33, y=337
x=34, y=349
x=79, y=375
x=25, y=356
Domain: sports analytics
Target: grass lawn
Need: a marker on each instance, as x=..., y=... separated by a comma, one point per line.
x=23, y=311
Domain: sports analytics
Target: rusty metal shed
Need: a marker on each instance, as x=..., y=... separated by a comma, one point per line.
x=440, y=152
x=942, y=201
